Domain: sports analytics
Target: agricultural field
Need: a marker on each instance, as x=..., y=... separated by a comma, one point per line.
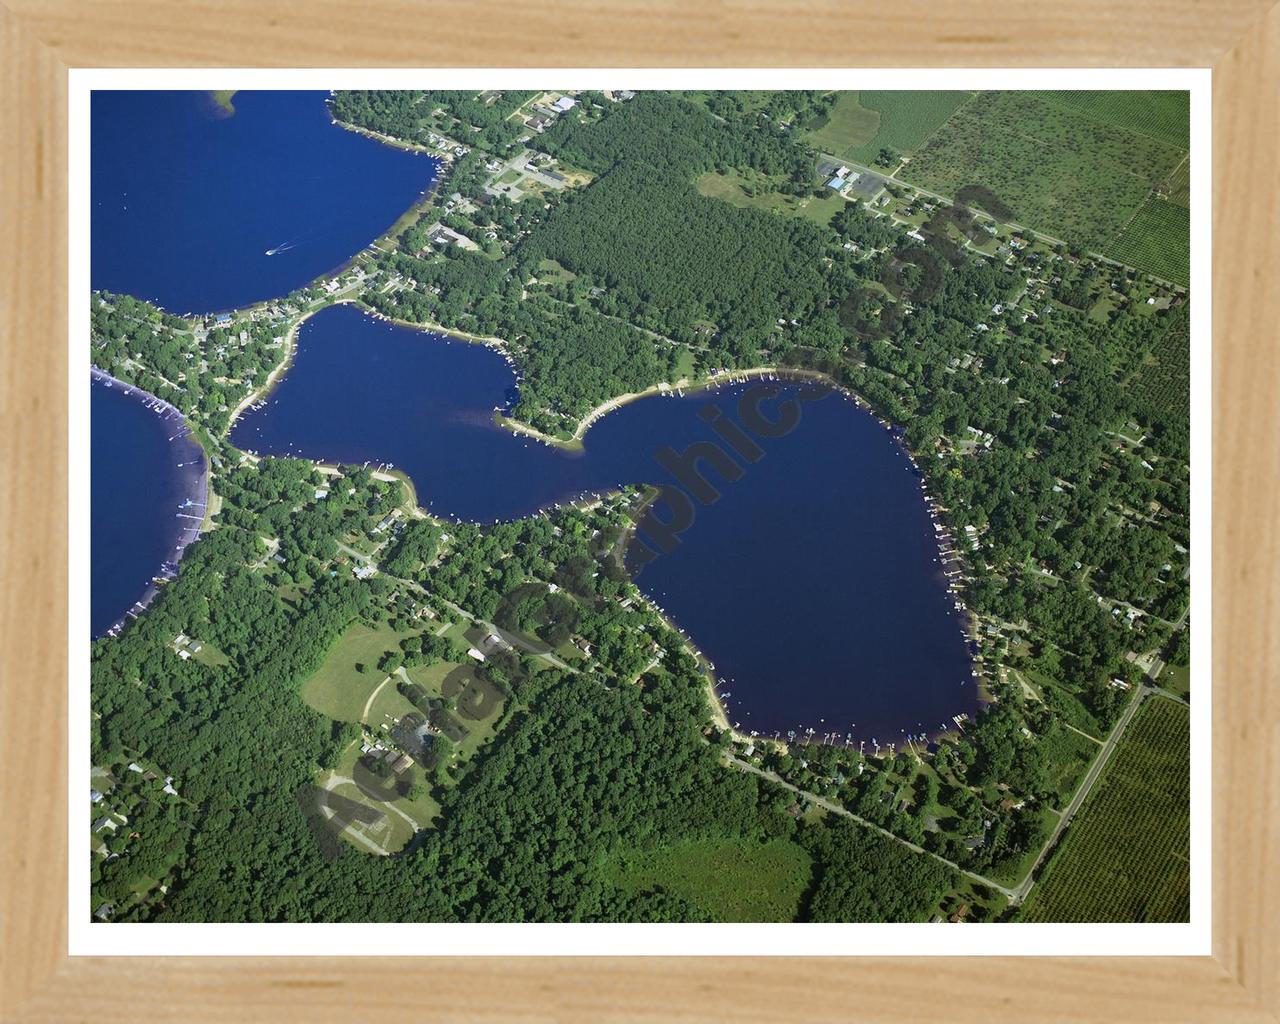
x=1164, y=115
x=862, y=123
x=848, y=126
x=1163, y=385
x=906, y=119
x=1157, y=240
x=730, y=880
x=1176, y=188
x=1126, y=857
x=1058, y=171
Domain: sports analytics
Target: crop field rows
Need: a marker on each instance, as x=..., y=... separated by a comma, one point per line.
x=1076, y=175
x=862, y=123
x=1157, y=240
x=1160, y=115
x=1126, y=857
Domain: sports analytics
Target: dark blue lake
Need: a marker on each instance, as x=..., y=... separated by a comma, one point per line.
x=147, y=497
x=187, y=201
x=812, y=583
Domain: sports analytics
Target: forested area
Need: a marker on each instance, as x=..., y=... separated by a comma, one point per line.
x=587, y=767
x=407, y=114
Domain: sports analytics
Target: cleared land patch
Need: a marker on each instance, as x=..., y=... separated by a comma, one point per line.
x=729, y=880
x=1126, y=857
x=1058, y=171
x=349, y=673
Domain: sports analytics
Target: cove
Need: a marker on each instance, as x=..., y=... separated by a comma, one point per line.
x=813, y=583
x=200, y=210
x=147, y=495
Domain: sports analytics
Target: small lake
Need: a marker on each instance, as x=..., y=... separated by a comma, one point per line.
x=147, y=493
x=813, y=583
x=200, y=210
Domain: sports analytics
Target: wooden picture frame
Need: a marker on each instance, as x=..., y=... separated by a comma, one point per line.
x=41, y=39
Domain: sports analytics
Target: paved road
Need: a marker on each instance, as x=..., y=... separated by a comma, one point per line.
x=1090, y=777
x=835, y=808
x=982, y=214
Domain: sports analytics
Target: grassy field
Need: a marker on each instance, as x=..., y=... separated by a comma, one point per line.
x=1059, y=170
x=906, y=119
x=1068, y=755
x=728, y=879
x=1157, y=240
x=758, y=191
x=402, y=816
x=847, y=126
x=1126, y=855
x=339, y=689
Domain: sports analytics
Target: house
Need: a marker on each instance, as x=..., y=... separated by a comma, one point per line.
x=539, y=122
x=563, y=104
x=837, y=183
x=104, y=822
x=473, y=653
x=135, y=767
x=94, y=796
x=104, y=912
x=401, y=763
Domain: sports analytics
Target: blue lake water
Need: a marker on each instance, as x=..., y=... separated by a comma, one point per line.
x=187, y=201
x=146, y=492
x=812, y=582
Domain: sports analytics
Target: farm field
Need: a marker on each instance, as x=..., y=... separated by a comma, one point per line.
x=1126, y=855
x=861, y=123
x=729, y=880
x=1059, y=171
x=1157, y=240
x=848, y=126
x=906, y=119
x=1163, y=115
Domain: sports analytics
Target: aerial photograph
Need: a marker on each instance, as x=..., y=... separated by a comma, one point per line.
x=639, y=505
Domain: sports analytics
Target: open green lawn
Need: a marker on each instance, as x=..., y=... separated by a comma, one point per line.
x=751, y=189
x=1126, y=856
x=403, y=816
x=727, y=879
x=1157, y=240
x=338, y=689
x=430, y=678
x=1176, y=679
x=1052, y=166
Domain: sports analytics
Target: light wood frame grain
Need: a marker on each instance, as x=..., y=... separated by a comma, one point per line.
x=41, y=39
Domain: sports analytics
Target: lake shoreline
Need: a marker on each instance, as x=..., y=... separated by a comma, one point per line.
x=195, y=486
